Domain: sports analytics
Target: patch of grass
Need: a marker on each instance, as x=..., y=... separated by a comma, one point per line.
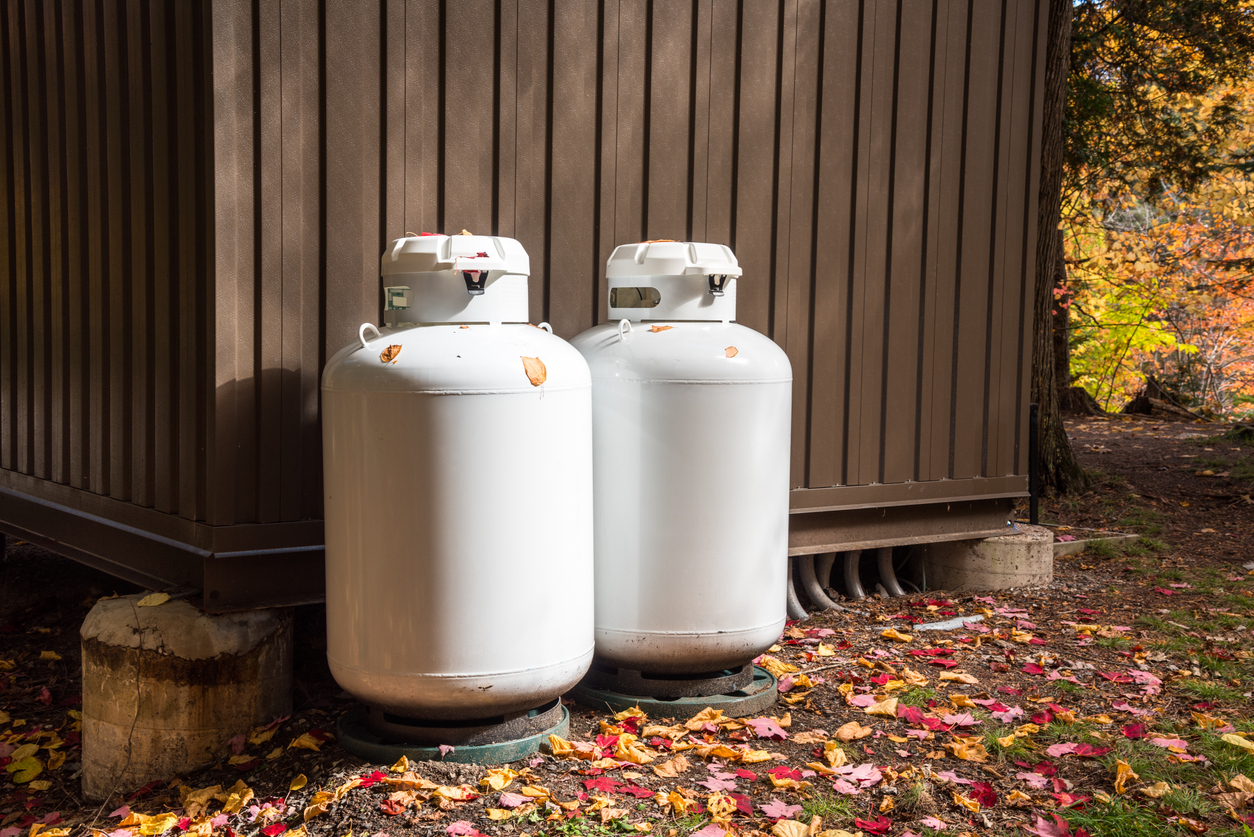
x=1150, y=763
x=1145, y=521
x=1017, y=750
x=1210, y=691
x=1103, y=549
x=1120, y=818
x=1153, y=623
x=909, y=800
x=917, y=697
x=1216, y=667
x=833, y=808
x=1113, y=643
x=1189, y=802
x=1225, y=760
x=1235, y=601
x=1171, y=575
x=1178, y=644
x=1068, y=687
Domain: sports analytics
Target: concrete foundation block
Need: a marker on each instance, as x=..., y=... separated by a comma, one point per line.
x=1022, y=559
x=165, y=688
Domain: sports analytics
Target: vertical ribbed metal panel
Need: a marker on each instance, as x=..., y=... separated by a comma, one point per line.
x=104, y=209
x=195, y=196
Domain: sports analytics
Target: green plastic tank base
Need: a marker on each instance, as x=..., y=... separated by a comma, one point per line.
x=360, y=740
x=753, y=699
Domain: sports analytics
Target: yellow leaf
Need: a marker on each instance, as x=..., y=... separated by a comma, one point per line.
x=886, y=707
x=789, y=828
x=274, y=754
x=968, y=749
x=655, y=329
x=961, y=701
x=234, y=800
x=1156, y=790
x=958, y=677
x=1238, y=741
x=498, y=779
x=777, y=667
x=261, y=736
x=49, y=655
x=55, y=760
x=731, y=351
x=536, y=373
x=39, y=785
x=25, y=770
x=153, y=600
x=242, y=758
x=1007, y=741
x=834, y=753
x=305, y=742
x=633, y=712
x=970, y=804
x=158, y=825
x=1242, y=783
x=402, y=764
x=755, y=756
x=1123, y=772
x=671, y=769
x=720, y=807
x=498, y=814
x=1018, y=799
x=24, y=751
x=300, y=781
x=852, y=731
x=825, y=650
x=4, y=717
x=894, y=634
x=1101, y=796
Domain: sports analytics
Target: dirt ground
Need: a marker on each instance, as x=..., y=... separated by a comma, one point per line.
x=1116, y=700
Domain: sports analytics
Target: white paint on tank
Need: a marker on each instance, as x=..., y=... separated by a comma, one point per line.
x=691, y=431
x=458, y=518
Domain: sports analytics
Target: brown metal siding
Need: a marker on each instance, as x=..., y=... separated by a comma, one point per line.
x=102, y=220
x=195, y=197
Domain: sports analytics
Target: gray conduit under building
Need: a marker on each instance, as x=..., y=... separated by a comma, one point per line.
x=810, y=582
x=795, y=610
x=888, y=576
x=853, y=582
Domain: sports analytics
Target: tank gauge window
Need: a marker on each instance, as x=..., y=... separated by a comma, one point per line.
x=634, y=297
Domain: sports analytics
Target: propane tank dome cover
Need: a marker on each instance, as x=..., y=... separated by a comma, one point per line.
x=672, y=258
x=438, y=253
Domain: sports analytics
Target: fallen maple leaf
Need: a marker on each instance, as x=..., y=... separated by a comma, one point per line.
x=1044, y=828
x=894, y=634
x=766, y=728
x=536, y=373
x=1123, y=772
x=777, y=810
x=852, y=731
x=390, y=354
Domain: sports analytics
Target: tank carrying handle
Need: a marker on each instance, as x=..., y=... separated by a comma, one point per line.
x=545, y=327
x=361, y=333
x=624, y=329
x=718, y=281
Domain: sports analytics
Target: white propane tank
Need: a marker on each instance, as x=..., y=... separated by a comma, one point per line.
x=691, y=424
x=458, y=482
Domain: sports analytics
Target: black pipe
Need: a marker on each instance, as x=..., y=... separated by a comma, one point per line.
x=1034, y=463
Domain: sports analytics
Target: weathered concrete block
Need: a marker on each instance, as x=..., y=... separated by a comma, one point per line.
x=165, y=688
x=1022, y=559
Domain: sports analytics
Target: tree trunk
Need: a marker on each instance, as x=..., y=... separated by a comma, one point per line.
x=1060, y=470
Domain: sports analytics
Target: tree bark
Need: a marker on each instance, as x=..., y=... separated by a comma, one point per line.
x=1059, y=469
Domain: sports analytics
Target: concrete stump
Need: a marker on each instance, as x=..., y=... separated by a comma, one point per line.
x=165, y=688
x=1022, y=559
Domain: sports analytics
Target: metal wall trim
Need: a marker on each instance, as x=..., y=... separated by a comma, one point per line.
x=805, y=500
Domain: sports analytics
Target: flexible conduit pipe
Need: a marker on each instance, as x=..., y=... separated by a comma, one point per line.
x=823, y=568
x=888, y=576
x=811, y=584
x=853, y=582
x=795, y=610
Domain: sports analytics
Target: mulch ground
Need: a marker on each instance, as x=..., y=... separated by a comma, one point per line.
x=1116, y=700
